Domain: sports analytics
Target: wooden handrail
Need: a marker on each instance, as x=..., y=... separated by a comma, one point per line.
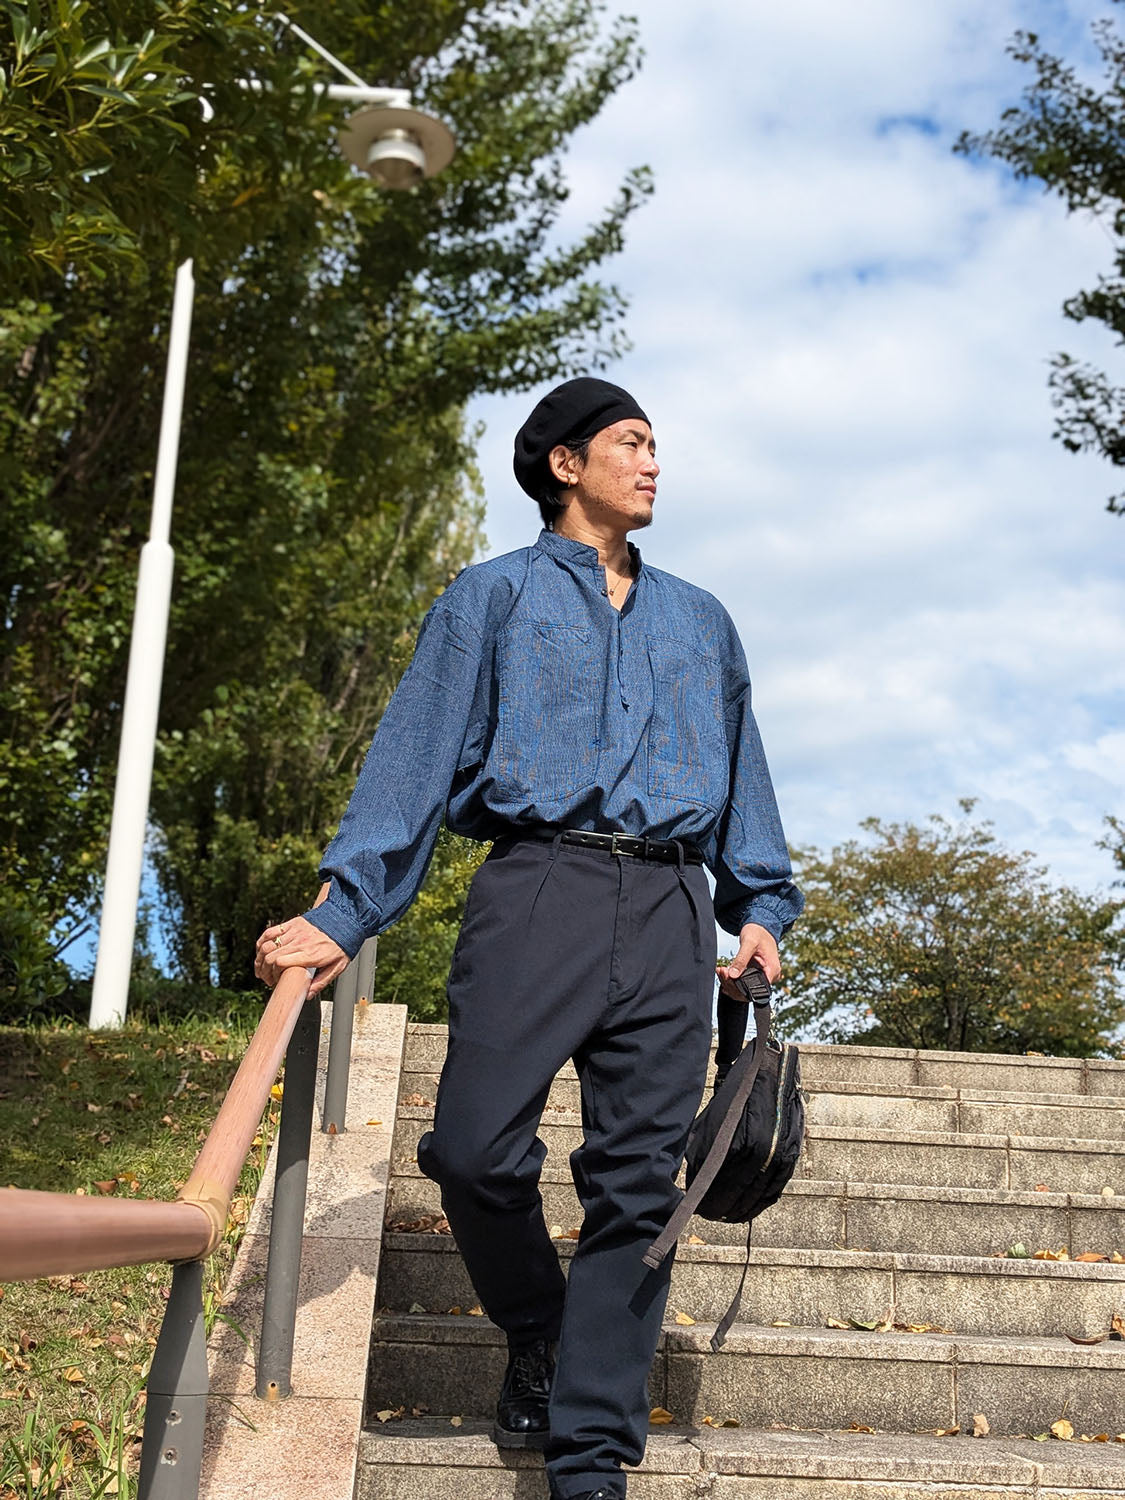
x=219, y=1163
x=44, y=1234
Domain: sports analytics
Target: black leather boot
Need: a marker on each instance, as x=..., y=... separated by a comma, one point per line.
x=521, y=1411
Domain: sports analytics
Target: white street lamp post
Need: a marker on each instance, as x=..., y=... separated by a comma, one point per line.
x=397, y=146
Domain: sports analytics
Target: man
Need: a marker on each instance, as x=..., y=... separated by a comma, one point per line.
x=591, y=716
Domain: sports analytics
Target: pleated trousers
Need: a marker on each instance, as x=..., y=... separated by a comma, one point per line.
x=571, y=953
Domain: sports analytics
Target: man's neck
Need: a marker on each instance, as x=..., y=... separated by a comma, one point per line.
x=612, y=547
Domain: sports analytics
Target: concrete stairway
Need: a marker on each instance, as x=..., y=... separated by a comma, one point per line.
x=881, y=1309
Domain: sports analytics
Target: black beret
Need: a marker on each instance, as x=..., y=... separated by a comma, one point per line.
x=569, y=414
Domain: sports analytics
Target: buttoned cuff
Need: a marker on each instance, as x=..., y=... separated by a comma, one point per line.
x=336, y=920
x=766, y=911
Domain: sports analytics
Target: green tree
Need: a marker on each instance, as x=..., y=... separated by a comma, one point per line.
x=938, y=936
x=415, y=954
x=326, y=491
x=1114, y=843
x=1068, y=134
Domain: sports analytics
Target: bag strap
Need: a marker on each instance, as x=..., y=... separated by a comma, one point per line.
x=719, y=1337
x=732, y=1113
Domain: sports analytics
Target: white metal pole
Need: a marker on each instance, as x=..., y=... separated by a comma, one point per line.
x=142, y=693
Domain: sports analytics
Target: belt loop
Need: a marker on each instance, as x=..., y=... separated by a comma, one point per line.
x=679, y=855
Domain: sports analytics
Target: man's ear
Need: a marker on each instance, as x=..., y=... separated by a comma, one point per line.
x=560, y=460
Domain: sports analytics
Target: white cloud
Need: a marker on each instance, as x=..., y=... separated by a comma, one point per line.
x=842, y=331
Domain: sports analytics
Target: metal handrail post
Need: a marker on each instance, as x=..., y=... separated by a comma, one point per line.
x=287, y=1220
x=365, y=979
x=354, y=983
x=176, y=1404
x=340, y=1050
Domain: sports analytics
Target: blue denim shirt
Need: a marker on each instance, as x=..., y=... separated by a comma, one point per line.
x=531, y=702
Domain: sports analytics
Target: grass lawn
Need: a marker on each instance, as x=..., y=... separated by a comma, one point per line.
x=118, y=1112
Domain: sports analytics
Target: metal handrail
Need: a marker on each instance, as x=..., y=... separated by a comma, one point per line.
x=44, y=1233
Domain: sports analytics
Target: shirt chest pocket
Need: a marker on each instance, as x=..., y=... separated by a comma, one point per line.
x=687, y=748
x=549, y=711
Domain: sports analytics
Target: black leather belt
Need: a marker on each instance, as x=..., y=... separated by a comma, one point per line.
x=664, y=851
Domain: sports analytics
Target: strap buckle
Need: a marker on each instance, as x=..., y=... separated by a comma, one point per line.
x=613, y=849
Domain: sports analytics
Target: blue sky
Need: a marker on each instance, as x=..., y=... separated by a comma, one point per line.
x=841, y=331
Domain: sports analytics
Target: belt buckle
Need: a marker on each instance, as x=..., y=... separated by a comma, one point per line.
x=613, y=849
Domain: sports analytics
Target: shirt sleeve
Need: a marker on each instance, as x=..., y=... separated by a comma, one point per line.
x=753, y=874
x=386, y=838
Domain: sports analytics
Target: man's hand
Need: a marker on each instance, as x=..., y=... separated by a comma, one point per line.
x=298, y=944
x=755, y=946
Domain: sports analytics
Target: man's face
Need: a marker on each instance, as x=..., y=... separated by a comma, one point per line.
x=618, y=479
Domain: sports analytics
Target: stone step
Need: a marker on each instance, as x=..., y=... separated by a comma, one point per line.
x=823, y=1377
x=962, y=1293
x=857, y=1216
x=888, y=1067
x=883, y=1107
x=429, y=1460
x=852, y=1153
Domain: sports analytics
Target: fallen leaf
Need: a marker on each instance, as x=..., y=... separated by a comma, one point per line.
x=1062, y=1429
x=684, y=1321
x=571, y=1234
x=1041, y=1187
x=784, y=1323
x=94, y=1109
x=74, y=1375
x=1090, y=1255
x=658, y=1417
x=1017, y=1252
x=455, y=1311
x=416, y=1307
x=945, y=1431
x=1117, y=1258
x=374, y=1122
x=859, y=1323
x=695, y=1239
x=1107, y=1192
x=981, y=1426
x=455, y=1421
x=1117, y=1327
x=109, y=1186
x=855, y=1427
x=476, y=1311
x=277, y=1091
x=731, y=1422
x=1093, y=1338
x=834, y=1323
x=419, y=1411
x=385, y=1416
x=555, y=1231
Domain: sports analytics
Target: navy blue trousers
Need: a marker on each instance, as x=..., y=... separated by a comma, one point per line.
x=575, y=953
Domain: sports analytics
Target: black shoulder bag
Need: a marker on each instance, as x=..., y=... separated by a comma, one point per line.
x=744, y=1146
